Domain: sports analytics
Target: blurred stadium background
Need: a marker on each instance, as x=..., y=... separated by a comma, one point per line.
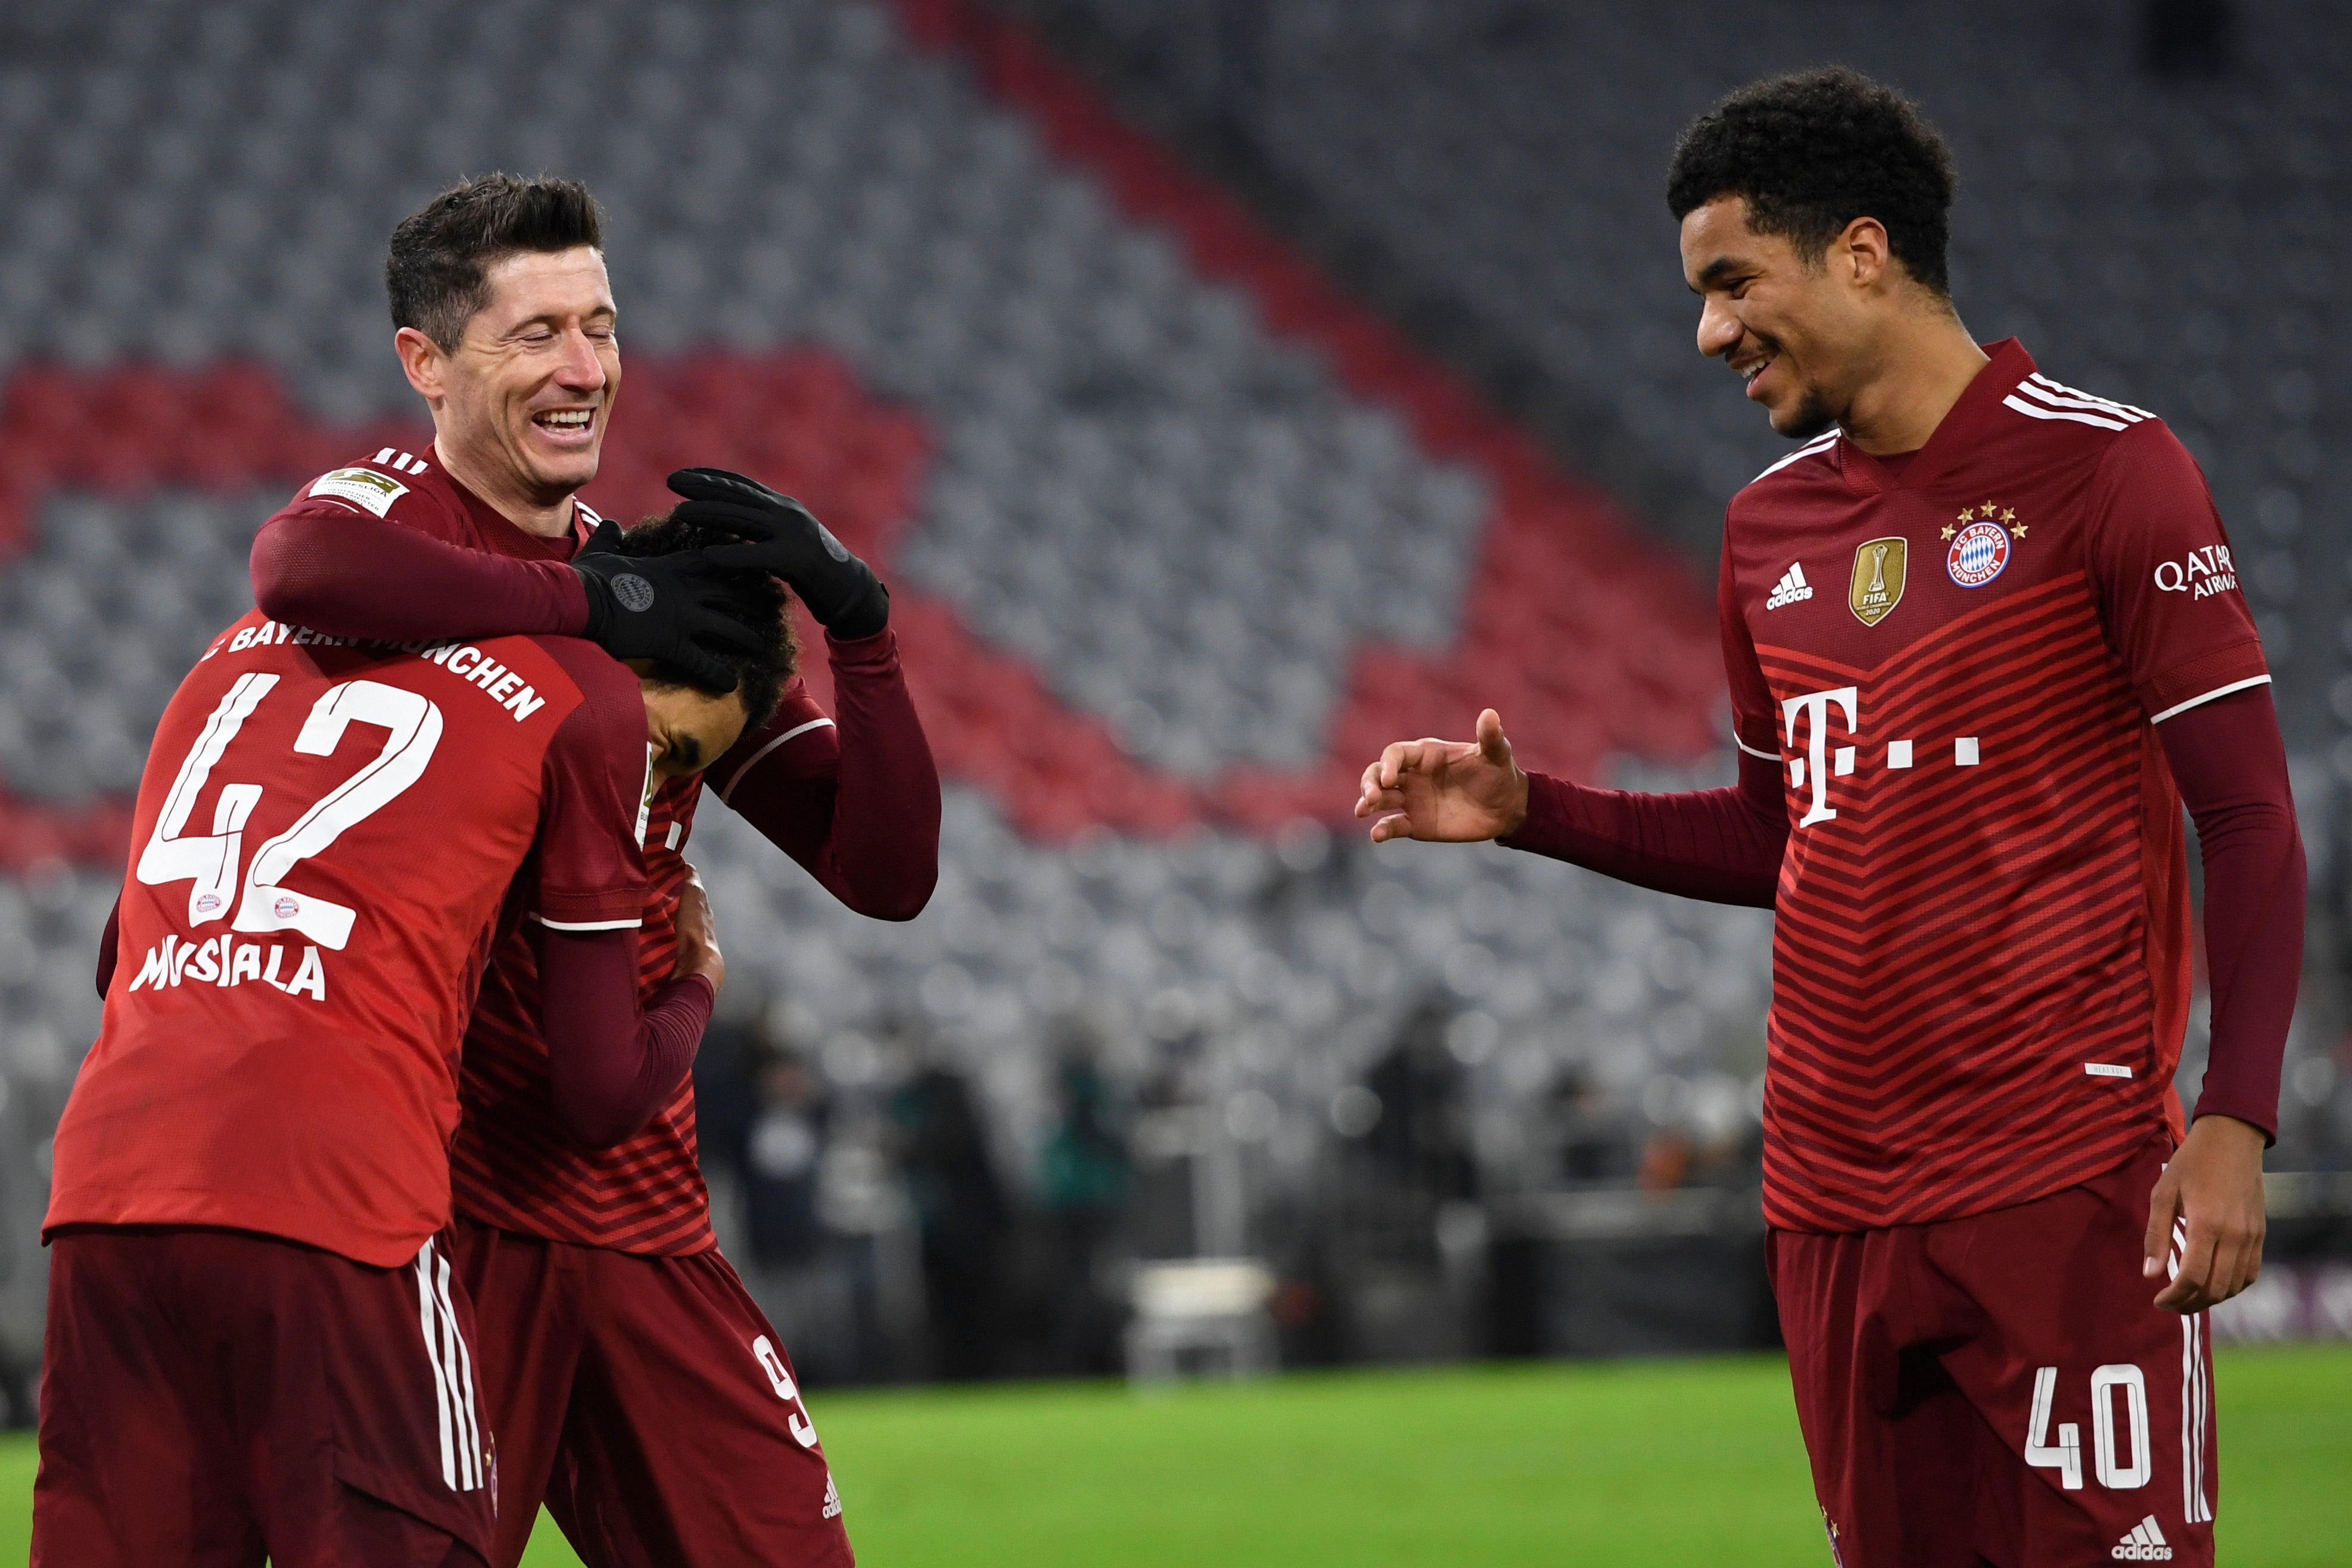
x=1224, y=388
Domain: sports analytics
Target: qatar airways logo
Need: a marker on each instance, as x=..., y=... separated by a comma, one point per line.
x=2198, y=572
x=1806, y=721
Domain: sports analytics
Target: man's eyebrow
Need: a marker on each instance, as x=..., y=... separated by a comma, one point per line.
x=688, y=750
x=554, y=319
x=1713, y=274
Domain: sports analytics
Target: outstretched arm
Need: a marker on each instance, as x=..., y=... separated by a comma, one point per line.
x=357, y=576
x=856, y=800
x=1720, y=844
x=317, y=565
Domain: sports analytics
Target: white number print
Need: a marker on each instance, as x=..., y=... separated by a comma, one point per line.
x=211, y=863
x=804, y=1430
x=415, y=725
x=2103, y=1382
x=2065, y=1456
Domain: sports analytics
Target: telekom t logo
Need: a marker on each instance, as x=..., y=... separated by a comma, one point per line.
x=1815, y=763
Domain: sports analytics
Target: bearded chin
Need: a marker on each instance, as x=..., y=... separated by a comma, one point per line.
x=1808, y=418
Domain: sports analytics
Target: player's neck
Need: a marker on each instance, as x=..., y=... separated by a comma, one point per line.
x=549, y=521
x=1924, y=367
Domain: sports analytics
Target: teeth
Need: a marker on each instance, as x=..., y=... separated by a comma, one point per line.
x=567, y=419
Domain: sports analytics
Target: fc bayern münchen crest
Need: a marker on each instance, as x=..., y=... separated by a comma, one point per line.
x=1981, y=544
x=1979, y=555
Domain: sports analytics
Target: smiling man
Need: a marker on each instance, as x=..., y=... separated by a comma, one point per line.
x=1983, y=639
x=633, y=1382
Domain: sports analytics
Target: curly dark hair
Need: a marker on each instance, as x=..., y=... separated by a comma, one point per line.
x=436, y=270
x=1815, y=151
x=757, y=600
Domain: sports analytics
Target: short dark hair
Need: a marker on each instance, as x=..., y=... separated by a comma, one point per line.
x=753, y=597
x=435, y=271
x=1815, y=151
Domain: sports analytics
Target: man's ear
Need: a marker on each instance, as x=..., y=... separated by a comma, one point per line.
x=1863, y=250
x=426, y=362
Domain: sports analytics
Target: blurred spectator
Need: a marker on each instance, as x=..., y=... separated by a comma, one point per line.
x=779, y=1160
x=1421, y=1139
x=1588, y=1134
x=1667, y=1160
x=1701, y=1136
x=1087, y=1169
x=962, y=1217
x=762, y=1113
x=725, y=1098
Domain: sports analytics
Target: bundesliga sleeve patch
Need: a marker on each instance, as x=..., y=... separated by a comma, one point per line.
x=362, y=488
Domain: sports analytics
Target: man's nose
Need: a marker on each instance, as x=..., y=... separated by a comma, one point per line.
x=580, y=369
x=1718, y=330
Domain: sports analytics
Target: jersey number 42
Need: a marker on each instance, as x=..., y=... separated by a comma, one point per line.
x=212, y=861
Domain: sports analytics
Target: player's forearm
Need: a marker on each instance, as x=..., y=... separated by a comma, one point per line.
x=2231, y=765
x=858, y=806
x=362, y=577
x=610, y=1065
x=1720, y=844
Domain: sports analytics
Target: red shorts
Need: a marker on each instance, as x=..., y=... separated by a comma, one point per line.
x=209, y=1397
x=650, y=1404
x=2001, y=1387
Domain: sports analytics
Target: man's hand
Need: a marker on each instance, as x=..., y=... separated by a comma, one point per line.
x=698, y=934
x=673, y=608
x=2213, y=1188
x=783, y=537
x=1452, y=792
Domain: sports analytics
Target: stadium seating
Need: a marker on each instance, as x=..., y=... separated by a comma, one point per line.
x=1177, y=533
x=2161, y=241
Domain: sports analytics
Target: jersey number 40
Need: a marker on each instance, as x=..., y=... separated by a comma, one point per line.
x=212, y=862
x=2065, y=1456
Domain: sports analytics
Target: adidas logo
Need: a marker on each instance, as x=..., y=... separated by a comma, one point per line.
x=832, y=1504
x=2143, y=1544
x=1790, y=588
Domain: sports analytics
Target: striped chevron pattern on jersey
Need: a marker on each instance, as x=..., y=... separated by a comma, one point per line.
x=1972, y=925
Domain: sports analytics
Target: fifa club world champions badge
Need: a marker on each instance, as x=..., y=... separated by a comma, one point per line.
x=1979, y=544
x=1880, y=566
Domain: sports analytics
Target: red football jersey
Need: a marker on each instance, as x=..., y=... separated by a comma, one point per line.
x=324, y=840
x=515, y=1168
x=1980, y=966
x=512, y=1165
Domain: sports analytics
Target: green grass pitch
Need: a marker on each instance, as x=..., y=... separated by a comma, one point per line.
x=1666, y=1462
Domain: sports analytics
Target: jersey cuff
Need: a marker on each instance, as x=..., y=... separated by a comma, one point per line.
x=2179, y=708
x=2232, y=667
x=1761, y=756
x=605, y=909
x=756, y=758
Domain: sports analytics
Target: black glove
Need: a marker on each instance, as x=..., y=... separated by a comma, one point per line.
x=670, y=607
x=785, y=539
